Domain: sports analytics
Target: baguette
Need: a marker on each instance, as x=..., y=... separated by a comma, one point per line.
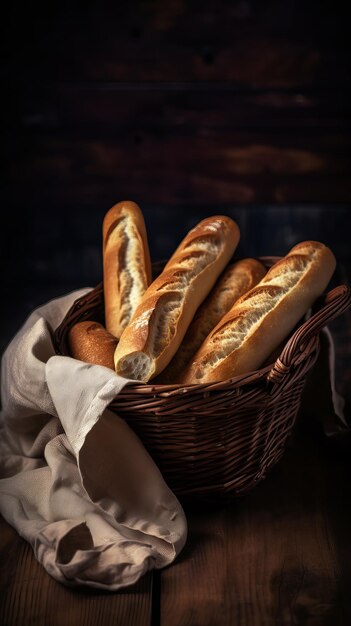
x=126, y=264
x=160, y=321
x=263, y=317
x=236, y=280
x=92, y=343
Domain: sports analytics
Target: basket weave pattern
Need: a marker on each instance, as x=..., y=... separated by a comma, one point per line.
x=218, y=439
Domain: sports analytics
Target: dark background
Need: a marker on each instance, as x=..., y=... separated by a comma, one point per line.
x=188, y=108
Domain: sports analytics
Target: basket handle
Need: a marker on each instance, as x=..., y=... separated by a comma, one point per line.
x=330, y=306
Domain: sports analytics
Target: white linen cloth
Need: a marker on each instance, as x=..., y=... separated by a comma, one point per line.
x=76, y=482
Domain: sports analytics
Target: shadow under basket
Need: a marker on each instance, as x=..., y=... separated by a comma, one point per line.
x=218, y=439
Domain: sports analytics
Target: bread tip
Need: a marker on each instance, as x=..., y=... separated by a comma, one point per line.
x=135, y=365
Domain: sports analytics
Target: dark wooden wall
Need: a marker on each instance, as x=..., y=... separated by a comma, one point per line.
x=188, y=107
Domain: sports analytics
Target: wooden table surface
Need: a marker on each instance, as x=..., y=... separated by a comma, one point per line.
x=281, y=555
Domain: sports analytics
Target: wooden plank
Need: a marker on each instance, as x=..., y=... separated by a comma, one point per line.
x=106, y=108
x=249, y=43
x=183, y=167
x=279, y=556
x=29, y=595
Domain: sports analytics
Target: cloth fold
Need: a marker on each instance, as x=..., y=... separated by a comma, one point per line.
x=76, y=481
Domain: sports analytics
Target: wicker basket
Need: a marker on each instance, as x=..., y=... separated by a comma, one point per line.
x=218, y=439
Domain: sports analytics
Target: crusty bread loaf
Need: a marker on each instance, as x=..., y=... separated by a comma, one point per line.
x=160, y=321
x=126, y=264
x=92, y=343
x=263, y=317
x=236, y=280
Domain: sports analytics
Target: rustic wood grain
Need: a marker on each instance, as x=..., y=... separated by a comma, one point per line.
x=250, y=43
x=241, y=102
x=184, y=167
x=28, y=595
x=278, y=557
x=108, y=107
